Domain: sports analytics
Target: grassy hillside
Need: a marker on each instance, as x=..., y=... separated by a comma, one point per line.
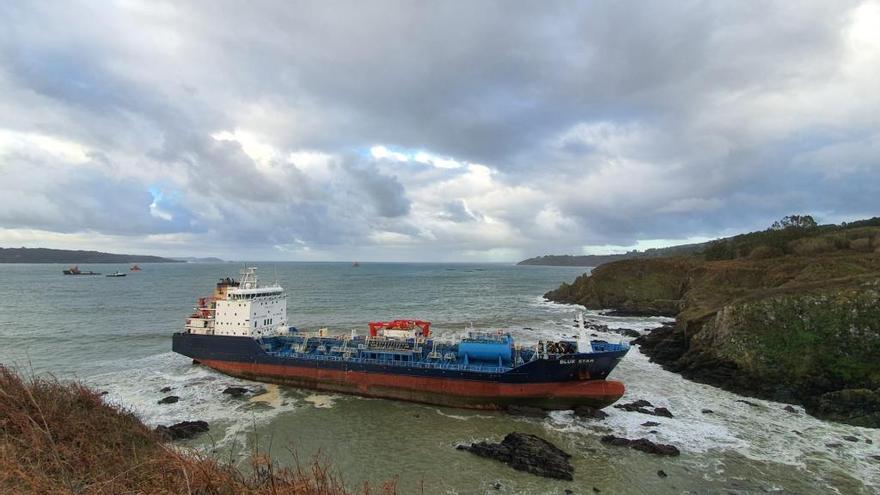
x=43, y=255
x=58, y=438
x=790, y=314
x=600, y=259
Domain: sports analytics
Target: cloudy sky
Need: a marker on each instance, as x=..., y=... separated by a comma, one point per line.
x=460, y=131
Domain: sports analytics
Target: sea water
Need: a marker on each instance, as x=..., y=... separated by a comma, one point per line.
x=115, y=335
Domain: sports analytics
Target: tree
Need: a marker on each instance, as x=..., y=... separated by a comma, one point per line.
x=794, y=222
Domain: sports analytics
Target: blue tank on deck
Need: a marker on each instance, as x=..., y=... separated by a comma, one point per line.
x=487, y=349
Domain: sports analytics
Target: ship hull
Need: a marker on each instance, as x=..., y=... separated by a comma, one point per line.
x=548, y=385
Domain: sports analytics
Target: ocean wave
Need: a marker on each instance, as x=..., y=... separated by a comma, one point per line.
x=200, y=389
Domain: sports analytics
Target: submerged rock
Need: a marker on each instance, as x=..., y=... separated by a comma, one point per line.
x=790, y=409
x=590, y=413
x=642, y=444
x=707, y=411
x=182, y=430
x=661, y=473
x=236, y=391
x=641, y=406
x=529, y=411
x=650, y=423
x=525, y=452
x=638, y=406
x=171, y=399
x=165, y=390
x=747, y=402
x=662, y=411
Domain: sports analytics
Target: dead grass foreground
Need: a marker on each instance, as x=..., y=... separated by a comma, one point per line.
x=61, y=438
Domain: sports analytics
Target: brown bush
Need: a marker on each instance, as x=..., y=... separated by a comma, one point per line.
x=817, y=245
x=60, y=438
x=862, y=244
x=764, y=252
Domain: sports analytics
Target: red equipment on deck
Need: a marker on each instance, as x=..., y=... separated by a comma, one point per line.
x=425, y=326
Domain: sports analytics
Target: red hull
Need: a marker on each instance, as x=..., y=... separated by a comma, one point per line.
x=442, y=391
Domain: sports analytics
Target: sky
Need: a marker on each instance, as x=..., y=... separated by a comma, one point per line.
x=431, y=131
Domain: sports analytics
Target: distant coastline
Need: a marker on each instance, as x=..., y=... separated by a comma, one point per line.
x=595, y=260
x=44, y=255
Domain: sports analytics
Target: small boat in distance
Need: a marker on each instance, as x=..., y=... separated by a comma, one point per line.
x=355, y=264
x=134, y=268
x=74, y=270
x=116, y=274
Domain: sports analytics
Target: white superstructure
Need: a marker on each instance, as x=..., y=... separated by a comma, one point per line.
x=241, y=308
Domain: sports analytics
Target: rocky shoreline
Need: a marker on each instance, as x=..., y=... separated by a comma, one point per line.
x=795, y=329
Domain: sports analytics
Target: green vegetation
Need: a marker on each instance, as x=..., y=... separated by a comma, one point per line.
x=790, y=313
x=61, y=438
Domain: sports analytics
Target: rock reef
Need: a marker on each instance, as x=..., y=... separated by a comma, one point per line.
x=529, y=453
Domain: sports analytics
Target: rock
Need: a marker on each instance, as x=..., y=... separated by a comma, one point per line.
x=869, y=441
x=850, y=438
x=165, y=390
x=590, y=413
x=747, y=402
x=596, y=490
x=627, y=332
x=790, y=409
x=875, y=457
x=653, y=431
x=650, y=423
x=236, y=391
x=707, y=411
x=636, y=406
x=642, y=406
x=661, y=473
x=496, y=485
x=859, y=407
x=568, y=492
x=833, y=445
x=528, y=411
x=182, y=430
x=797, y=433
x=525, y=452
x=104, y=392
x=662, y=411
x=171, y=399
x=642, y=444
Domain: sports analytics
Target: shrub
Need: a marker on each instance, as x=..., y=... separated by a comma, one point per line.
x=764, y=252
x=61, y=438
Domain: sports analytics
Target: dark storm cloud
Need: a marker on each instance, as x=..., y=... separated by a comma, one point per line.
x=601, y=123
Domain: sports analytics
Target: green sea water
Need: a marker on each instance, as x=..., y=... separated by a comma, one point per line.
x=115, y=334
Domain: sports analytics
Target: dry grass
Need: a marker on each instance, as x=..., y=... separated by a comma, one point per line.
x=60, y=438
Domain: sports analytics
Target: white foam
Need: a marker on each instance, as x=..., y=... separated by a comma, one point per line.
x=764, y=433
x=321, y=401
x=200, y=389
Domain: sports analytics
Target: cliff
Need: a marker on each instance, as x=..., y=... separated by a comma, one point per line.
x=800, y=323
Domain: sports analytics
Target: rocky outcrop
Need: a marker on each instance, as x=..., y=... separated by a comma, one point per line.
x=525, y=452
x=171, y=399
x=789, y=328
x=183, y=430
x=642, y=444
x=634, y=287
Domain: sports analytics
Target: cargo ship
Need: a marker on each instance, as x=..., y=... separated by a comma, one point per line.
x=242, y=330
